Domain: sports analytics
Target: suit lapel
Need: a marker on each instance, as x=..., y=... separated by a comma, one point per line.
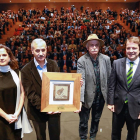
x=35, y=72
x=123, y=70
x=90, y=66
x=101, y=66
x=136, y=75
x=49, y=66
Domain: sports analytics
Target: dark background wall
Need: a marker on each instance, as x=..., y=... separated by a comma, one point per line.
x=93, y=5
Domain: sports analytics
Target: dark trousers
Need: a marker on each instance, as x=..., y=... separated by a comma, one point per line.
x=118, y=123
x=53, y=128
x=18, y=134
x=97, y=108
x=137, y=126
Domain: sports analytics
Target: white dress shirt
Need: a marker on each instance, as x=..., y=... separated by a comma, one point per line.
x=135, y=65
x=39, y=69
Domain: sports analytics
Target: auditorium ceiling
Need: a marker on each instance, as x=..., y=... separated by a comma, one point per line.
x=39, y=1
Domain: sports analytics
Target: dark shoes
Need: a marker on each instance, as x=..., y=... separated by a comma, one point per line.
x=92, y=138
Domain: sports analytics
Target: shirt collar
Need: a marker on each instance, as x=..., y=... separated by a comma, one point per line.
x=97, y=59
x=36, y=63
x=136, y=62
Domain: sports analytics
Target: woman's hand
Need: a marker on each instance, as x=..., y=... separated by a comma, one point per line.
x=10, y=118
x=16, y=114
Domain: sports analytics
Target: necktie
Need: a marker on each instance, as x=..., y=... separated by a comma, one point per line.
x=130, y=74
x=129, y=77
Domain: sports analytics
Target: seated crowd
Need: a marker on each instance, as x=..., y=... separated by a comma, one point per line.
x=132, y=17
x=7, y=18
x=64, y=32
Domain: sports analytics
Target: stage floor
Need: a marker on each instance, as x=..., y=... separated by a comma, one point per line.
x=70, y=125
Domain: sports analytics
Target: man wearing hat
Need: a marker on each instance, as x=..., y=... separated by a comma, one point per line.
x=95, y=69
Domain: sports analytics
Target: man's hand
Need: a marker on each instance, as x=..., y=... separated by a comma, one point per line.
x=81, y=82
x=139, y=116
x=111, y=107
x=51, y=112
x=77, y=111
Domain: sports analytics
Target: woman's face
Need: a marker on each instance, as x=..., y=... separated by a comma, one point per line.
x=4, y=57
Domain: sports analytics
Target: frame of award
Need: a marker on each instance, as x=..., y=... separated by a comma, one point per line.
x=60, y=92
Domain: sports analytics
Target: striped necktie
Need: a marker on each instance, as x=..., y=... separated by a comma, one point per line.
x=130, y=74
x=129, y=77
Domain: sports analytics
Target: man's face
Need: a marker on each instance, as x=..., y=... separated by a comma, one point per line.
x=55, y=57
x=132, y=51
x=55, y=50
x=64, y=57
x=73, y=58
x=64, y=48
x=16, y=51
x=72, y=50
x=39, y=52
x=93, y=47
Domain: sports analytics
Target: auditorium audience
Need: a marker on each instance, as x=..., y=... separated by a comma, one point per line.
x=64, y=32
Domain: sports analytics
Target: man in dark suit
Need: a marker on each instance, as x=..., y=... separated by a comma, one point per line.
x=55, y=53
x=73, y=63
x=64, y=52
x=63, y=62
x=31, y=76
x=123, y=95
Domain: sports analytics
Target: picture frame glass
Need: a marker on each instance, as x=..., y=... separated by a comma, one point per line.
x=61, y=92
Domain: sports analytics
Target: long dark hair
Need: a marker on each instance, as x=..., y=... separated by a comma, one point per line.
x=13, y=62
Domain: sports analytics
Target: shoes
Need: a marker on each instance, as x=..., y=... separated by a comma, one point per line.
x=92, y=138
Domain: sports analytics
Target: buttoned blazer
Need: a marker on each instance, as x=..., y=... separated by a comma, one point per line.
x=32, y=83
x=118, y=89
x=85, y=67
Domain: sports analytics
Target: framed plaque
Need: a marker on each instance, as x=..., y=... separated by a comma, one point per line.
x=60, y=92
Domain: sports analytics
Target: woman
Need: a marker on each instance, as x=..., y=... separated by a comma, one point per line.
x=13, y=123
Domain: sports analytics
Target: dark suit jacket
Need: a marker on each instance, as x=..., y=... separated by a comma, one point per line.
x=61, y=55
x=73, y=68
x=62, y=64
x=57, y=54
x=32, y=85
x=118, y=89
